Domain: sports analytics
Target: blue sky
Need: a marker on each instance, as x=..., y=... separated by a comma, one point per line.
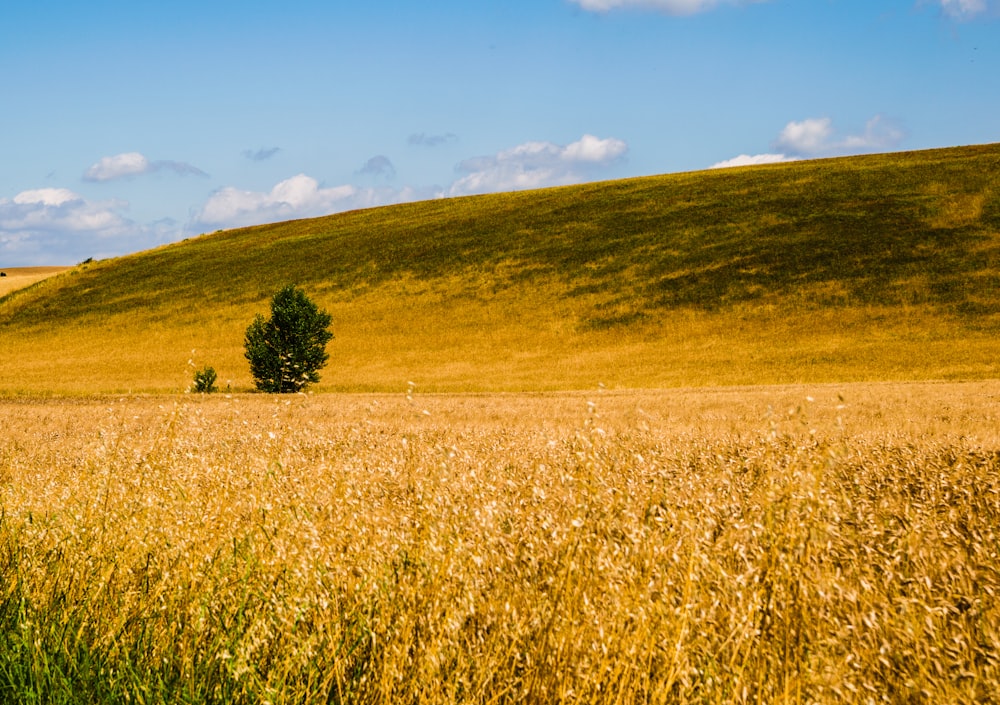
x=128, y=124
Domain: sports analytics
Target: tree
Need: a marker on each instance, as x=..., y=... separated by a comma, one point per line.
x=286, y=351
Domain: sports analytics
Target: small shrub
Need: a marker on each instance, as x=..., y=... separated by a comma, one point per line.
x=204, y=380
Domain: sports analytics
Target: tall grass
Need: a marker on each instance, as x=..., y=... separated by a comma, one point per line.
x=550, y=549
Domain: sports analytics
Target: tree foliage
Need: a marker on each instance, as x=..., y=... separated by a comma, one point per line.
x=287, y=350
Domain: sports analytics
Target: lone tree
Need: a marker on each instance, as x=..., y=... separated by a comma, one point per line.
x=286, y=351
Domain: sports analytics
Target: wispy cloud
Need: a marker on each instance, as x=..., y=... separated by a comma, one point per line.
x=671, y=7
x=378, y=166
x=816, y=137
x=537, y=165
x=424, y=140
x=966, y=9
x=260, y=155
x=59, y=226
x=130, y=164
x=182, y=168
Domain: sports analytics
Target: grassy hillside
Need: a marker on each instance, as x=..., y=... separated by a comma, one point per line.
x=874, y=267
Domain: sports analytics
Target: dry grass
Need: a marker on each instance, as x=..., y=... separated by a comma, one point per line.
x=21, y=277
x=512, y=345
x=713, y=546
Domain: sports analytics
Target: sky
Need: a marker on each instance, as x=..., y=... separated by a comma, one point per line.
x=128, y=124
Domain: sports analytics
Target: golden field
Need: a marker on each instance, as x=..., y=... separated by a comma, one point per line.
x=681, y=533
x=21, y=277
x=787, y=544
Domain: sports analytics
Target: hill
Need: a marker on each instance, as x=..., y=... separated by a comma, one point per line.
x=876, y=267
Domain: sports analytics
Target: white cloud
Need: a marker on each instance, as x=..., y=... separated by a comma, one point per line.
x=810, y=136
x=671, y=7
x=590, y=149
x=130, y=164
x=59, y=226
x=752, y=160
x=529, y=165
x=45, y=197
x=117, y=167
x=298, y=197
x=537, y=165
x=62, y=210
x=816, y=137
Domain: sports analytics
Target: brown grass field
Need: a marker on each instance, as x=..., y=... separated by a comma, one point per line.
x=782, y=486
x=20, y=277
x=786, y=544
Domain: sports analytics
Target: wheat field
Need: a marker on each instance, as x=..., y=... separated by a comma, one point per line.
x=796, y=544
x=15, y=278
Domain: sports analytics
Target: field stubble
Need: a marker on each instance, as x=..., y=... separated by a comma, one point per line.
x=15, y=278
x=783, y=544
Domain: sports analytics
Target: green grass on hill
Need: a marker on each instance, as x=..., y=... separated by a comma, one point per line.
x=872, y=267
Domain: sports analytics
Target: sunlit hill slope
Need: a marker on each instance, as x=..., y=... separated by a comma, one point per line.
x=860, y=268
